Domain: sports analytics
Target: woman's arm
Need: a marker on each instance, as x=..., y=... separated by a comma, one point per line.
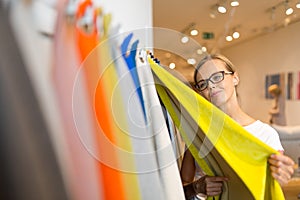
x=188, y=168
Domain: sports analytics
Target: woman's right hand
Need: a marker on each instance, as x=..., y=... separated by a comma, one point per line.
x=214, y=185
x=209, y=185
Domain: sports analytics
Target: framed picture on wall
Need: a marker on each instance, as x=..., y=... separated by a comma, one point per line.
x=293, y=86
x=290, y=93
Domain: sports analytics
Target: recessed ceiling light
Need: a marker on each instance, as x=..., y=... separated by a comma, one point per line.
x=286, y=21
x=199, y=51
x=236, y=35
x=184, y=39
x=234, y=3
x=194, y=32
x=212, y=15
x=222, y=9
x=289, y=11
x=172, y=65
x=213, y=11
x=229, y=38
x=191, y=61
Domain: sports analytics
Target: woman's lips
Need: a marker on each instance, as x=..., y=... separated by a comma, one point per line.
x=214, y=93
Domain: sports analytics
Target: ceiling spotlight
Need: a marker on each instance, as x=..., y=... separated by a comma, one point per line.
x=229, y=38
x=204, y=49
x=213, y=11
x=236, y=35
x=194, y=32
x=289, y=10
x=184, y=39
x=191, y=61
x=222, y=9
x=298, y=4
x=172, y=65
x=212, y=15
x=199, y=51
x=234, y=3
x=286, y=21
x=188, y=30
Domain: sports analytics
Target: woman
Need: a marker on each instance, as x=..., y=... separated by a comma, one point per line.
x=216, y=80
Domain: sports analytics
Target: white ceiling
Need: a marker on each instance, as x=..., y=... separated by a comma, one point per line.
x=251, y=18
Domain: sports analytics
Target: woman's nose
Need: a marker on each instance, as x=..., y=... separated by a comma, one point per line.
x=211, y=84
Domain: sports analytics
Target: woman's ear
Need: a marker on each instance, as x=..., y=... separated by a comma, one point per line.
x=236, y=79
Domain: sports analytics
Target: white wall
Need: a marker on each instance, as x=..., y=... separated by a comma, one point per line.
x=273, y=53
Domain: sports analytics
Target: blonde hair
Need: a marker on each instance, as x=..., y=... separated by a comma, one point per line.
x=228, y=64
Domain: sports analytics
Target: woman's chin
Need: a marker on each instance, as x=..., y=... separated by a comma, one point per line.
x=217, y=101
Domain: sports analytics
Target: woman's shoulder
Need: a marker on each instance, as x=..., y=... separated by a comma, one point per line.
x=265, y=133
x=266, y=125
x=261, y=127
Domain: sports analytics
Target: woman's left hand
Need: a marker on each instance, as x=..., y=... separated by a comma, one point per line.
x=282, y=168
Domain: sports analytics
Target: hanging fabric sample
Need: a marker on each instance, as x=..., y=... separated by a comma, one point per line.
x=83, y=171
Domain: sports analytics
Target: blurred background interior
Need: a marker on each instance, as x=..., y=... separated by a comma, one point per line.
x=260, y=37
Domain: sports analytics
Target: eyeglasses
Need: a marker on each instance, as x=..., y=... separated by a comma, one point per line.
x=216, y=77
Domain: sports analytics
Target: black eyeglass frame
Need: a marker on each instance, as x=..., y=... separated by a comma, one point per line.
x=197, y=86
